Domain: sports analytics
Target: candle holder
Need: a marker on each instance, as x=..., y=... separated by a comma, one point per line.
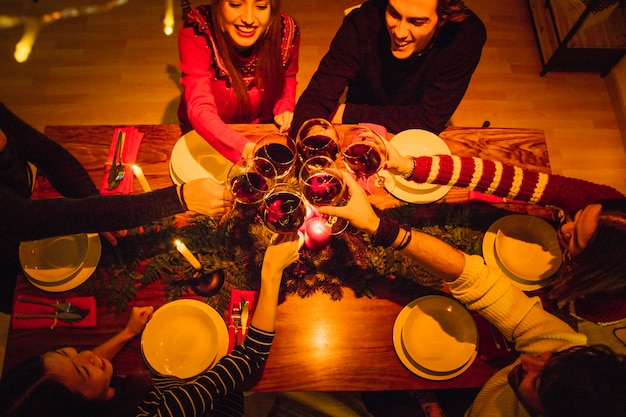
x=206, y=284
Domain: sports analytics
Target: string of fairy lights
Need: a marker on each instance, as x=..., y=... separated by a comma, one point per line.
x=33, y=24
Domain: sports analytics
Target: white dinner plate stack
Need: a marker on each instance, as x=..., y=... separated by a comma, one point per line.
x=60, y=263
x=184, y=338
x=416, y=142
x=525, y=248
x=435, y=337
x=192, y=157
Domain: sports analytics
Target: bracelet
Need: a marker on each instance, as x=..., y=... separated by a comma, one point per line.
x=406, y=239
x=387, y=232
x=409, y=176
x=182, y=197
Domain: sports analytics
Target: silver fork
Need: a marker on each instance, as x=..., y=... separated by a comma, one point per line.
x=60, y=307
x=236, y=315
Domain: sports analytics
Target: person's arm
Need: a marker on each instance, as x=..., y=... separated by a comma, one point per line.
x=502, y=180
x=28, y=219
x=202, y=96
x=139, y=316
x=284, y=107
x=201, y=393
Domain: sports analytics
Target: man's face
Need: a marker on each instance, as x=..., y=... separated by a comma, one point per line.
x=411, y=25
x=525, y=379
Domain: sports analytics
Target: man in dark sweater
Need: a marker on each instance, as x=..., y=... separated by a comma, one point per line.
x=83, y=209
x=406, y=65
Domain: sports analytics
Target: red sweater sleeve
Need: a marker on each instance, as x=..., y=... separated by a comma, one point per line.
x=510, y=181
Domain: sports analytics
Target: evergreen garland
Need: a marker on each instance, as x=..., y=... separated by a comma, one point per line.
x=236, y=245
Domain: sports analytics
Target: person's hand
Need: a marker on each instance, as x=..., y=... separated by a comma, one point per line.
x=248, y=150
x=283, y=121
x=358, y=211
x=206, y=196
x=112, y=237
x=338, y=115
x=397, y=164
x=139, y=317
x=282, y=252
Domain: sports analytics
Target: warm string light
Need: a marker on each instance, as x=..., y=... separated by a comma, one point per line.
x=33, y=25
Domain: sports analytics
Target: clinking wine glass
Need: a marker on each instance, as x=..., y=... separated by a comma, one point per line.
x=283, y=209
x=250, y=179
x=317, y=137
x=321, y=182
x=280, y=150
x=364, y=153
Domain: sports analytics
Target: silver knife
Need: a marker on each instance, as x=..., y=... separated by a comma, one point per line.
x=245, y=311
x=64, y=316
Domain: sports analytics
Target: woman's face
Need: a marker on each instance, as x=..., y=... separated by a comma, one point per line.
x=411, y=25
x=245, y=21
x=575, y=235
x=83, y=373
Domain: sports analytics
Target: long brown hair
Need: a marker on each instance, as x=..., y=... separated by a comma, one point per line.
x=600, y=267
x=270, y=74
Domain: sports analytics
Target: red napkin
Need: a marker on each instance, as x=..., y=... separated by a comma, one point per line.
x=488, y=335
x=132, y=141
x=21, y=307
x=236, y=296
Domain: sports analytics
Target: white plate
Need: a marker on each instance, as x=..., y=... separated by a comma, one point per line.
x=491, y=258
x=528, y=247
x=184, y=338
x=92, y=257
x=411, y=364
x=439, y=334
x=192, y=158
x=417, y=142
x=53, y=260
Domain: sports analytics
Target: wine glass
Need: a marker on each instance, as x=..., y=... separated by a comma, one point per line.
x=364, y=153
x=250, y=178
x=321, y=182
x=317, y=137
x=280, y=150
x=283, y=209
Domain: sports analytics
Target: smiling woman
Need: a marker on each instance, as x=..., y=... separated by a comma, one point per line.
x=239, y=61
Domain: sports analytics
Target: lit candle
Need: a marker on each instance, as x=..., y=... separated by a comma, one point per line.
x=182, y=248
x=316, y=233
x=142, y=179
x=168, y=21
x=25, y=44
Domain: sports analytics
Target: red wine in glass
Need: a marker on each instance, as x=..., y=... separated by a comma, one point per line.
x=322, y=189
x=249, y=188
x=362, y=158
x=318, y=145
x=280, y=155
x=284, y=212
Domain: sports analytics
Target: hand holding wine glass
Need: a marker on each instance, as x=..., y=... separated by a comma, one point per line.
x=249, y=179
x=283, y=209
x=364, y=153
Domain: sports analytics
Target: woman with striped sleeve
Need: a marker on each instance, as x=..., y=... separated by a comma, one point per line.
x=68, y=383
x=592, y=280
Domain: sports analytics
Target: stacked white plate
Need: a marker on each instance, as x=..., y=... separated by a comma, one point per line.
x=60, y=263
x=184, y=338
x=416, y=142
x=192, y=157
x=525, y=248
x=435, y=337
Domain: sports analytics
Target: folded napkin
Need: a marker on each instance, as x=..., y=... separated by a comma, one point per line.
x=493, y=345
x=236, y=296
x=131, y=142
x=21, y=307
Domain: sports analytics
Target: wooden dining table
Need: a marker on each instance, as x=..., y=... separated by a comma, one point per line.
x=320, y=344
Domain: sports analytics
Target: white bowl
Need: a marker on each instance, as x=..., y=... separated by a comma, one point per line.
x=182, y=338
x=528, y=247
x=439, y=334
x=54, y=260
x=193, y=158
